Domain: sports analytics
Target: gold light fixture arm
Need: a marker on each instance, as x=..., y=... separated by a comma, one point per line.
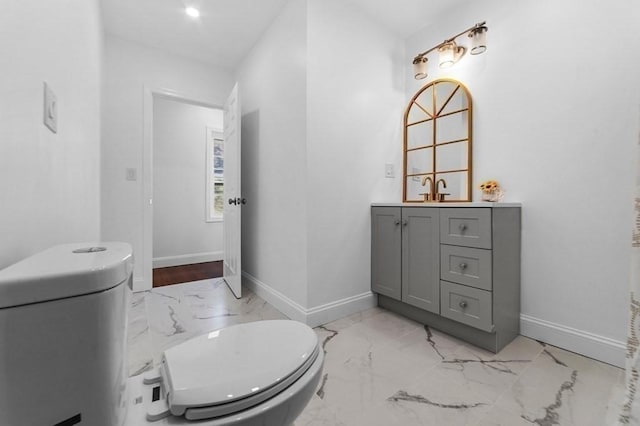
x=449, y=45
x=449, y=40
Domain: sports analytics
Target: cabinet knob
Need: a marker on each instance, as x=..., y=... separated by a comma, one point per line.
x=232, y=201
x=463, y=304
x=462, y=227
x=405, y=222
x=397, y=222
x=463, y=265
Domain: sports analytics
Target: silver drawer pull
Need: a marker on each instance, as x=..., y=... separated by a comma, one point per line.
x=462, y=227
x=463, y=304
x=405, y=222
x=397, y=222
x=463, y=265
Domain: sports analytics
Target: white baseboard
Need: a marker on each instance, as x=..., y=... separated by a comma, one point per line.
x=588, y=344
x=138, y=285
x=315, y=316
x=328, y=312
x=187, y=259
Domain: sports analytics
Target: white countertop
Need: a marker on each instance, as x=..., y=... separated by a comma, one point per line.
x=447, y=204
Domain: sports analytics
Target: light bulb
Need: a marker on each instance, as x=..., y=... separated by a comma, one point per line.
x=419, y=67
x=446, y=55
x=192, y=11
x=478, y=40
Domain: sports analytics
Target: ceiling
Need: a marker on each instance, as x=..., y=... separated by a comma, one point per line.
x=227, y=29
x=405, y=17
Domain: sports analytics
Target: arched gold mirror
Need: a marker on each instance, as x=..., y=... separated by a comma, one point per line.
x=437, y=144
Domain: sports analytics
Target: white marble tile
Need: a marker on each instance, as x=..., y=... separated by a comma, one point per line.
x=137, y=305
x=488, y=373
x=431, y=399
x=317, y=413
x=499, y=417
x=426, y=342
x=170, y=319
x=363, y=373
x=140, y=353
x=564, y=388
x=383, y=369
x=350, y=320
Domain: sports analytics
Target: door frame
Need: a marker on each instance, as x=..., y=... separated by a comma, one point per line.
x=149, y=92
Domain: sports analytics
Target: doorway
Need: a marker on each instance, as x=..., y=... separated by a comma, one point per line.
x=184, y=238
x=188, y=185
x=231, y=188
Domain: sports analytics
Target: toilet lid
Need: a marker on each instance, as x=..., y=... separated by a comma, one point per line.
x=236, y=367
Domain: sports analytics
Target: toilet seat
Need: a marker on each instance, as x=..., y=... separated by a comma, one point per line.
x=235, y=368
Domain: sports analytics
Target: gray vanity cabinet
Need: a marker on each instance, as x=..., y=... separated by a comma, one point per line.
x=386, y=260
x=421, y=258
x=455, y=268
x=405, y=255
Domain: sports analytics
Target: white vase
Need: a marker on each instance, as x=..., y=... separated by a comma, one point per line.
x=494, y=195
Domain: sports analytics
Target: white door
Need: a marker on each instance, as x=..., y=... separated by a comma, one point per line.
x=233, y=198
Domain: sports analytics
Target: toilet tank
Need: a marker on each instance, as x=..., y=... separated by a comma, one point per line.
x=63, y=319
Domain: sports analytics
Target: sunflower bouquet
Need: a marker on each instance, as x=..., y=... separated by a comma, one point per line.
x=491, y=191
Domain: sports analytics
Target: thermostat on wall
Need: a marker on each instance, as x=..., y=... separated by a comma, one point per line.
x=50, y=109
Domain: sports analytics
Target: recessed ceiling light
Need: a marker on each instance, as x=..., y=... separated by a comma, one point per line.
x=192, y=11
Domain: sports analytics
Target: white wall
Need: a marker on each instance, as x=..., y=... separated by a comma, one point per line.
x=130, y=67
x=319, y=122
x=272, y=81
x=50, y=182
x=556, y=123
x=181, y=234
x=355, y=96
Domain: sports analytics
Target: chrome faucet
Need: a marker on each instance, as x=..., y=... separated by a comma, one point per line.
x=429, y=196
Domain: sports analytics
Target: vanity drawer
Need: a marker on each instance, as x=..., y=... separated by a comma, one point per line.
x=465, y=265
x=467, y=305
x=470, y=227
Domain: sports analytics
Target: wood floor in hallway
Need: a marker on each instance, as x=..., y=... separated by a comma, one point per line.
x=186, y=273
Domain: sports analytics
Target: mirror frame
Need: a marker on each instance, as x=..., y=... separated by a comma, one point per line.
x=435, y=172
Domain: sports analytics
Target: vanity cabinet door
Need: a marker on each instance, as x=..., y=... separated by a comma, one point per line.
x=421, y=258
x=386, y=243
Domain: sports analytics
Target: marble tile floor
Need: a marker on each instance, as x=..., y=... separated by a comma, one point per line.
x=384, y=369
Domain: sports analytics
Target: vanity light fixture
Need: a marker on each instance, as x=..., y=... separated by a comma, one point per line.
x=192, y=12
x=450, y=52
x=419, y=67
x=478, y=40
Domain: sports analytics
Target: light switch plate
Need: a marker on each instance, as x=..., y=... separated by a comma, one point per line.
x=50, y=113
x=388, y=170
x=131, y=174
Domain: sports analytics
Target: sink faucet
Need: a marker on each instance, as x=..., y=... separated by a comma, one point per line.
x=438, y=196
x=429, y=196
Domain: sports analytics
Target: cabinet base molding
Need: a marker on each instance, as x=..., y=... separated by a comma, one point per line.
x=492, y=342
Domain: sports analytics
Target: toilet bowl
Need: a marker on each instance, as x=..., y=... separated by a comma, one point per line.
x=63, y=354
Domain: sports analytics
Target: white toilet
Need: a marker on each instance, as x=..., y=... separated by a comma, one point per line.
x=63, y=354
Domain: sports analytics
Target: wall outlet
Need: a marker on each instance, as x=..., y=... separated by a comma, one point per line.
x=131, y=174
x=389, y=172
x=50, y=113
